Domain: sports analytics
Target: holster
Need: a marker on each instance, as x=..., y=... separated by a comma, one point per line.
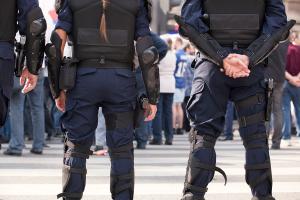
x=269, y=98
x=67, y=75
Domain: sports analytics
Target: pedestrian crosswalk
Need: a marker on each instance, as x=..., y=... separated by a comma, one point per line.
x=159, y=173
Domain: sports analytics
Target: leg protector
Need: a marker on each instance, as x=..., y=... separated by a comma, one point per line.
x=122, y=164
x=3, y=108
x=255, y=140
x=74, y=171
x=121, y=182
x=200, y=170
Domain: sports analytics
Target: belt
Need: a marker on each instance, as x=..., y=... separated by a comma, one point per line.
x=99, y=63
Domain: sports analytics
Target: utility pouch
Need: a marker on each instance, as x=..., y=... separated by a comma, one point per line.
x=67, y=75
x=269, y=98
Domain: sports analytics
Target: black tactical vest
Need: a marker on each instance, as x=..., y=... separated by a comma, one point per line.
x=120, y=23
x=8, y=20
x=234, y=21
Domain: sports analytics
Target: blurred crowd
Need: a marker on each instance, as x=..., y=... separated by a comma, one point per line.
x=34, y=116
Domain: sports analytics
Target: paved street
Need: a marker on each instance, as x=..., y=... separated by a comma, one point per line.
x=159, y=173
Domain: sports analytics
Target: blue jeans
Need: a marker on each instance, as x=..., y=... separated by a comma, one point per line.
x=142, y=133
x=35, y=99
x=163, y=118
x=290, y=94
x=5, y=130
x=228, y=131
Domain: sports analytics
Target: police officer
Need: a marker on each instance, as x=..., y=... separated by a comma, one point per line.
x=235, y=38
x=26, y=17
x=103, y=34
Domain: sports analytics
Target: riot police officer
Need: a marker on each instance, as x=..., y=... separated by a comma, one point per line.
x=26, y=17
x=103, y=34
x=235, y=38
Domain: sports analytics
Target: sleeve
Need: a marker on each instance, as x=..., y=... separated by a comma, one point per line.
x=275, y=30
x=275, y=16
x=192, y=13
x=24, y=6
x=160, y=45
x=64, y=18
x=142, y=21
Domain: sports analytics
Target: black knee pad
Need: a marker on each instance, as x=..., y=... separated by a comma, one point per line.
x=118, y=120
x=73, y=151
x=195, y=166
x=120, y=183
x=3, y=109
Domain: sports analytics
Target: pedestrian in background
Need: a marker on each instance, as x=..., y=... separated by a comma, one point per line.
x=188, y=76
x=291, y=91
x=276, y=71
x=36, y=103
x=163, y=118
x=181, y=65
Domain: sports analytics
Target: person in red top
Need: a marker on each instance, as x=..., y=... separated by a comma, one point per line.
x=291, y=90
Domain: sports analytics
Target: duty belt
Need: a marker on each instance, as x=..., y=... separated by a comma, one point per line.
x=102, y=63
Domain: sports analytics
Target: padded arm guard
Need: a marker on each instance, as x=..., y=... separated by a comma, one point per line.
x=204, y=42
x=53, y=52
x=148, y=59
x=262, y=47
x=35, y=40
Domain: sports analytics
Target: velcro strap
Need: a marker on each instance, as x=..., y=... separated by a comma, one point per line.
x=124, y=176
x=77, y=155
x=123, y=152
x=123, y=187
x=118, y=120
x=194, y=188
x=263, y=177
x=199, y=141
x=78, y=170
x=250, y=101
x=70, y=195
x=255, y=136
x=256, y=146
x=79, y=148
x=266, y=165
x=196, y=164
x=251, y=119
x=119, y=188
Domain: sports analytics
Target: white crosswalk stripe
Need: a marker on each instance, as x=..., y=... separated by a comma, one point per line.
x=159, y=173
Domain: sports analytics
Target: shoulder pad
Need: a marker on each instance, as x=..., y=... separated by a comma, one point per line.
x=59, y=5
x=148, y=5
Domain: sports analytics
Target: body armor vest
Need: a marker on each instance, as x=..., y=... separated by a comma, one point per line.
x=120, y=23
x=8, y=20
x=234, y=22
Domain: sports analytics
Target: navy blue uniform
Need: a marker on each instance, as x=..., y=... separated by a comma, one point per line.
x=113, y=89
x=7, y=57
x=207, y=106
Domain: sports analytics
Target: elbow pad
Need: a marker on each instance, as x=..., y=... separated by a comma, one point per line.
x=204, y=42
x=148, y=59
x=53, y=53
x=35, y=40
x=262, y=47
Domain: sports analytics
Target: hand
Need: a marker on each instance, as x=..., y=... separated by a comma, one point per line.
x=295, y=81
x=61, y=101
x=236, y=66
x=150, y=112
x=28, y=80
